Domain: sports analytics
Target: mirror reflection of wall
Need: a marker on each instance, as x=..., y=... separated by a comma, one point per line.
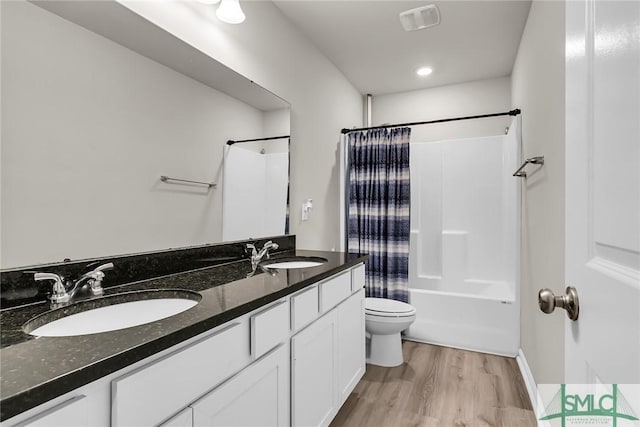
x=255, y=193
x=89, y=124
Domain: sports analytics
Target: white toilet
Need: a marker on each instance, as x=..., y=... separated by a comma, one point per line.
x=384, y=320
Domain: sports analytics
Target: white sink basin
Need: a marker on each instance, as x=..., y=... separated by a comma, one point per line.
x=298, y=262
x=114, y=317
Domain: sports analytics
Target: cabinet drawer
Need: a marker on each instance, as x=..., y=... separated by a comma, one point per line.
x=269, y=328
x=304, y=308
x=357, y=278
x=335, y=290
x=152, y=393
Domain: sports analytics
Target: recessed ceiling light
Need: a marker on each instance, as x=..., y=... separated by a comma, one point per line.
x=424, y=71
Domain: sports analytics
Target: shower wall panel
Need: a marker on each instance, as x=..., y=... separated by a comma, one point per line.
x=463, y=214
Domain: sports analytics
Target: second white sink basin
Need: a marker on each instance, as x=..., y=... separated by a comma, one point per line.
x=294, y=262
x=113, y=317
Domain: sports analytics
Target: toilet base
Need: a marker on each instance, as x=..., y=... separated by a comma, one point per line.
x=385, y=350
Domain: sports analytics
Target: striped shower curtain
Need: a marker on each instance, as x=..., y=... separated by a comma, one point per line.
x=379, y=197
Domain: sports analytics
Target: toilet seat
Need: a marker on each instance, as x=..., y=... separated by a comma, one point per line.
x=383, y=307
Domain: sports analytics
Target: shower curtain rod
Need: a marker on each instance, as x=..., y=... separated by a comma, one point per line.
x=231, y=141
x=506, y=113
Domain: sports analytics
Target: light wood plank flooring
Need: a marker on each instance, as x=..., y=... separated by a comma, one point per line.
x=440, y=387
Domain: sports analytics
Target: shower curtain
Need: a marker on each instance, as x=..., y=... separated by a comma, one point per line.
x=378, y=215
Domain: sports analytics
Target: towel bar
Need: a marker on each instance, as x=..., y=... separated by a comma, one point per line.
x=538, y=160
x=164, y=178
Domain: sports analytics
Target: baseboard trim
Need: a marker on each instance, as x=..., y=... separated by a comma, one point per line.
x=532, y=389
x=410, y=338
x=529, y=381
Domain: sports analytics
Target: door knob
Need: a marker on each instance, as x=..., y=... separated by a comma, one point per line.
x=569, y=301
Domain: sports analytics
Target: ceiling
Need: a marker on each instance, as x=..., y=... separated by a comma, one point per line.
x=475, y=40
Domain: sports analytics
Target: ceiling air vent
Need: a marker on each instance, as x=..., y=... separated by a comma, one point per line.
x=420, y=18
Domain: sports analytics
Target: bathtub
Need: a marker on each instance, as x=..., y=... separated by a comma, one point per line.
x=482, y=321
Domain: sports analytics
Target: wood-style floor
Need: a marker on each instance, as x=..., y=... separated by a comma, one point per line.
x=440, y=387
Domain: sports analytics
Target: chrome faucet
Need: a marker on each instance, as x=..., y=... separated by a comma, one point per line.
x=59, y=292
x=63, y=292
x=256, y=256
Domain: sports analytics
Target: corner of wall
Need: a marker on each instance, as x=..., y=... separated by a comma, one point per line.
x=537, y=85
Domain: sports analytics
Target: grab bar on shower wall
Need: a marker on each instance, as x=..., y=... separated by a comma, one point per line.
x=538, y=160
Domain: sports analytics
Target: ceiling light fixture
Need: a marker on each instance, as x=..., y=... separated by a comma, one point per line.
x=424, y=71
x=230, y=12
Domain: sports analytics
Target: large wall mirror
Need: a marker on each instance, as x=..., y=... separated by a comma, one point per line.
x=97, y=105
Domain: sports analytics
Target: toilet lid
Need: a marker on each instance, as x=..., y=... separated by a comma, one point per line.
x=387, y=307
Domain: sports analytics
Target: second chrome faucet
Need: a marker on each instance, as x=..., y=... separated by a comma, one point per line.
x=256, y=256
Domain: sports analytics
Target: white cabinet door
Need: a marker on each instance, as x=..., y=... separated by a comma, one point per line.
x=351, y=344
x=257, y=396
x=71, y=413
x=182, y=419
x=314, y=373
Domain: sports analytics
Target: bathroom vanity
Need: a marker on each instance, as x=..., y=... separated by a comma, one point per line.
x=282, y=347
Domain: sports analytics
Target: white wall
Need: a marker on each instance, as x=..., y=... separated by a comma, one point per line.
x=88, y=128
x=538, y=89
x=277, y=122
x=465, y=99
x=269, y=50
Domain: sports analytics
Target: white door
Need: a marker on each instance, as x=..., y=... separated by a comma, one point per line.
x=603, y=190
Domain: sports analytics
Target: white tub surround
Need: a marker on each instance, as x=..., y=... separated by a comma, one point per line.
x=464, y=265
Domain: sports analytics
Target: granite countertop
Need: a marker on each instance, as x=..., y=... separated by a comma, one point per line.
x=35, y=370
